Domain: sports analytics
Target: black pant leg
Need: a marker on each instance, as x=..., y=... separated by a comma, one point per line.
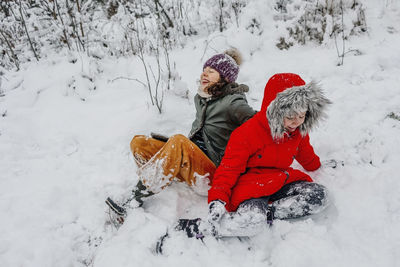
x=299, y=199
x=259, y=204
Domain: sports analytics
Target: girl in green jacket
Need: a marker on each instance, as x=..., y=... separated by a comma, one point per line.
x=221, y=107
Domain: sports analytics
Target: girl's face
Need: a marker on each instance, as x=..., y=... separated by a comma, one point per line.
x=292, y=123
x=208, y=77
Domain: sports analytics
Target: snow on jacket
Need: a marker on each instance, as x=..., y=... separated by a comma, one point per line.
x=217, y=117
x=259, y=153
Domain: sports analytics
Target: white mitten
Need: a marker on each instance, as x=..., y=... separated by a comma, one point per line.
x=216, y=209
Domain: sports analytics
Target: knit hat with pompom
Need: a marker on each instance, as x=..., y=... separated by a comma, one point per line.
x=227, y=64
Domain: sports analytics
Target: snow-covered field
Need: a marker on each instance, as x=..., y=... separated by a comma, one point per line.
x=64, y=147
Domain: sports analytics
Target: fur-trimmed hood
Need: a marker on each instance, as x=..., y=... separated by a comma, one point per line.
x=286, y=94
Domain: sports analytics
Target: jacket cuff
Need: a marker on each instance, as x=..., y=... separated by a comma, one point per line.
x=313, y=165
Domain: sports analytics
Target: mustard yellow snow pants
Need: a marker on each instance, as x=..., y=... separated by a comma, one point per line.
x=160, y=162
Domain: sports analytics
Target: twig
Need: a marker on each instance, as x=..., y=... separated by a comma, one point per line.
x=80, y=20
x=14, y=56
x=341, y=8
x=221, y=15
x=170, y=23
x=130, y=79
x=167, y=62
x=141, y=57
x=208, y=43
x=62, y=22
x=73, y=23
x=26, y=30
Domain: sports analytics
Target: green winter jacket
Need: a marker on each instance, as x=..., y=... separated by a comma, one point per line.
x=217, y=117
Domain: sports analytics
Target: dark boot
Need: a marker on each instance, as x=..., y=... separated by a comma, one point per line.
x=119, y=210
x=191, y=227
x=139, y=193
x=117, y=213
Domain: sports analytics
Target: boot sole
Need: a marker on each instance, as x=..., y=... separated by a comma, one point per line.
x=115, y=207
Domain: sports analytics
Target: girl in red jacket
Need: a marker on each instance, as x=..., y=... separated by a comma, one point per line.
x=256, y=168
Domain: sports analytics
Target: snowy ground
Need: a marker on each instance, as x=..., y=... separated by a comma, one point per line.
x=64, y=147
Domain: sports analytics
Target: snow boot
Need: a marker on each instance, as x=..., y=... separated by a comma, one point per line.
x=191, y=227
x=118, y=211
x=115, y=207
x=139, y=193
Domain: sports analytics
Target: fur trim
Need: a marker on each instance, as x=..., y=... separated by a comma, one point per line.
x=202, y=93
x=291, y=101
x=234, y=88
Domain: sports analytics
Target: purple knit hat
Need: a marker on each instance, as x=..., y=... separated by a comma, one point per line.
x=225, y=65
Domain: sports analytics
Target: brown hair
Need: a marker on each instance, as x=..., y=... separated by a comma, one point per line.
x=217, y=89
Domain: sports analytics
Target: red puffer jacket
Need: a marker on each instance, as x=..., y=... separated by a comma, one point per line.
x=255, y=164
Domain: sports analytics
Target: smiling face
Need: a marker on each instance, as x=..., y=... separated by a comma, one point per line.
x=208, y=77
x=292, y=123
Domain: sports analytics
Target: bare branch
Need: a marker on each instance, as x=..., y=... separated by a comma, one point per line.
x=26, y=31
x=14, y=57
x=130, y=79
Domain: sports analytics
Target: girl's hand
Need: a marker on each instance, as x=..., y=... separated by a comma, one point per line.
x=216, y=209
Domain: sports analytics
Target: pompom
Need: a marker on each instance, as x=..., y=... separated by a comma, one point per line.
x=235, y=54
